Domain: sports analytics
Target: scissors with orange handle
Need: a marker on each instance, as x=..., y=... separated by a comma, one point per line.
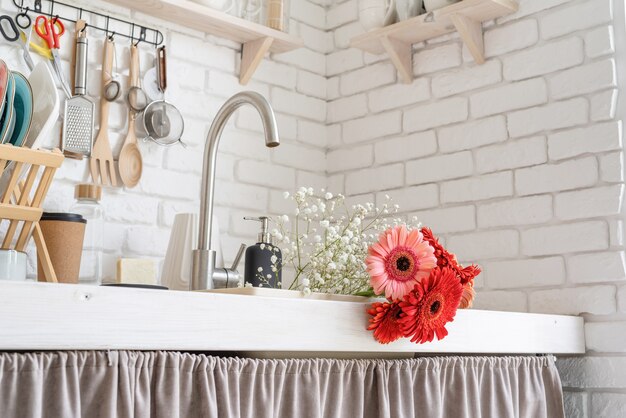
x=51, y=30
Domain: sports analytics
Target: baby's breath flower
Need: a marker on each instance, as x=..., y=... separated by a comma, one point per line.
x=328, y=245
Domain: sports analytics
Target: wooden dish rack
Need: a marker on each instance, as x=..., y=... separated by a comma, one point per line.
x=22, y=199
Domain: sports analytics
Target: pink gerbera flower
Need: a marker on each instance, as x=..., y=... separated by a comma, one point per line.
x=398, y=261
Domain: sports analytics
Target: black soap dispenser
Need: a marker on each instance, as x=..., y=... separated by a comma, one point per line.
x=263, y=260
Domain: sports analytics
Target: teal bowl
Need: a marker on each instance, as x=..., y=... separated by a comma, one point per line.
x=7, y=121
x=23, y=109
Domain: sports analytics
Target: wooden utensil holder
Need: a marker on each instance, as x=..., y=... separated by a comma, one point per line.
x=21, y=200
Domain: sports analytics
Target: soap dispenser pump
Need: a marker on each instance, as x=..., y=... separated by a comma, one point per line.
x=263, y=260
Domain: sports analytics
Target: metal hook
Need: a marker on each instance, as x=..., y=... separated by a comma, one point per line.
x=52, y=8
x=80, y=13
x=84, y=28
x=107, y=26
x=142, y=35
x=111, y=36
x=54, y=19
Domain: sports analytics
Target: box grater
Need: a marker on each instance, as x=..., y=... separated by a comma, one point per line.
x=79, y=111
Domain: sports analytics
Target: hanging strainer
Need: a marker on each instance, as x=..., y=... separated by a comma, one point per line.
x=162, y=121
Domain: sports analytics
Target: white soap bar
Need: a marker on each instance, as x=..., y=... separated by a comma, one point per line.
x=136, y=271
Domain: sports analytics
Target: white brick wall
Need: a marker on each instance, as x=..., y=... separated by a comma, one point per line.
x=517, y=163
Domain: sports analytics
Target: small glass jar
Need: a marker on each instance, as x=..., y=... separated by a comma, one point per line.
x=88, y=205
x=277, y=14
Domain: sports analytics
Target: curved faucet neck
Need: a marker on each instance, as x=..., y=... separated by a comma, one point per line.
x=210, y=153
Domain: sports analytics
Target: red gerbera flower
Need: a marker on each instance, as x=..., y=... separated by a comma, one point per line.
x=448, y=259
x=468, y=273
x=385, y=321
x=467, y=299
x=444, y=258
x=430, y=306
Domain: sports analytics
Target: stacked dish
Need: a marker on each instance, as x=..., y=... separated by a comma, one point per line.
x=28, y=110
x=16, y=106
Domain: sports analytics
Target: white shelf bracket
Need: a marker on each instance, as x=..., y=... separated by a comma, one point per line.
x=251, y=56
x=471, y=33
x=400, y=54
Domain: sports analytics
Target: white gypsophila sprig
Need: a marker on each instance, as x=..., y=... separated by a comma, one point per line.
x=326, y=241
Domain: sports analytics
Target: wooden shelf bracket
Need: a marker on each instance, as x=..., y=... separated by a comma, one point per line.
x=400, y=54
x=471, y=33
x=252, y=54
x=464, y=17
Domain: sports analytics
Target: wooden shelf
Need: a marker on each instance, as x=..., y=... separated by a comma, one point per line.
x=255, y=38
x=465, y=17
x=45, y=316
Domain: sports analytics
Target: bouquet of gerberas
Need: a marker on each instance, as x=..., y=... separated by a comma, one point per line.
x=424, y=285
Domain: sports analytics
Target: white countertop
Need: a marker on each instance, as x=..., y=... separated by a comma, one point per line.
x=41, y=316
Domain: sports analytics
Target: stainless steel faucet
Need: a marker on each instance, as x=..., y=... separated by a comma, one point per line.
x=204, y=270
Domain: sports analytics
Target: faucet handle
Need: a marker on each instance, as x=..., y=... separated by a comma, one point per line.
x=237, y=259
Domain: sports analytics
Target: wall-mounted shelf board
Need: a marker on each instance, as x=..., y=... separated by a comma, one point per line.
x=47, y=316
x=255, y=38
x=466, y=17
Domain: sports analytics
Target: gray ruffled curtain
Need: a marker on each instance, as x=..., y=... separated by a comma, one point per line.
x=125, y=384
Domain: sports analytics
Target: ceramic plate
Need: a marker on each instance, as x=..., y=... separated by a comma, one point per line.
x=45, y=114
x=7, y=122
x=45, y=105
x=4, y=80
x=22, y=108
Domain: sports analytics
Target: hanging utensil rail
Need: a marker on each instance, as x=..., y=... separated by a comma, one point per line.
x=145, y=34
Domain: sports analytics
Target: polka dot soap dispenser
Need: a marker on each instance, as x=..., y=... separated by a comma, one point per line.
x=264, y=259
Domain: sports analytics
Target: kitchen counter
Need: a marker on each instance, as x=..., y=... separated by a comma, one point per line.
x=42, y=316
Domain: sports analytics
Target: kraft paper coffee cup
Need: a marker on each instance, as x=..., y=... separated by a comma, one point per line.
x=64, y=234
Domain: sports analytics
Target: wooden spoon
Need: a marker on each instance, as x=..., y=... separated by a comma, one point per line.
x=130, y=163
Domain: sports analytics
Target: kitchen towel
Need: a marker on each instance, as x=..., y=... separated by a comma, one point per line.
x=129, y=384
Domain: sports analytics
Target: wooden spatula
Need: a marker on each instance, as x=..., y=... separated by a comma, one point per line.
x=101, y=162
